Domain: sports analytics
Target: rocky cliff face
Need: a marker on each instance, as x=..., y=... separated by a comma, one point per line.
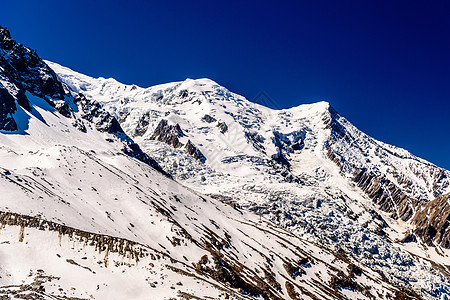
x=7, y=109
x=27, y=70
x=22, y=70
x=432, y=222
x=92, y=112
x=386, y=194
x=171, y=134
x=168, y=134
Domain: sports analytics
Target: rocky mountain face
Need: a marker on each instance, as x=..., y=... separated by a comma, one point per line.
x=24, y=75
x=22, y=70
x=398, y=182
x=307, y=169
x=170, y=135
x=432, y=220
x=86, y=214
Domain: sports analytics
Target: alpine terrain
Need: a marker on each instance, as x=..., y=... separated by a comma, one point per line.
x=188, y=191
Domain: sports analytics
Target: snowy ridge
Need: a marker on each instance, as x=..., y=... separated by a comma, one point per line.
x=305, y=168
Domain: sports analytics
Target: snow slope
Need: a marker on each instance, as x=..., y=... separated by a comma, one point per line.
x=305, y=168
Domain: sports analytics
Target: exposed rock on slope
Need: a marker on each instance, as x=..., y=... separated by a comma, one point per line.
x=22, y=70
x=168, y=134
x=432, y=222
x=208, y=119
x=92, y=112
x=386, y=194
x=171, y=134
x=7, y=109
x=192, y=150
x=25, y=79
x=223, y=127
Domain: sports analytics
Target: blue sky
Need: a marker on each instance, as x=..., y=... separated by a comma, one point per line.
x=384, y=65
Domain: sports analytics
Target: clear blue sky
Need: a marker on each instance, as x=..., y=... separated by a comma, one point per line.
x=384, y=65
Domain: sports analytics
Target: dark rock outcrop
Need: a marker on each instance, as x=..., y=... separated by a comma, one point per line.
x=222, y=126
x=27, y=70
x=168, y=134
x=386, y=194
x=142, y=125
x=24, y=70
x=7, y=108
x=256, y=140
x=183, y=94
x=93, y=112
x=441, y=181
x=285, y=145
x=289, y=143
x=333, y=157
x=279, y=158
x=133, y=150
x=208, y=119
x=103, y=121
x=432, y=222
x=101, y=242
x=193, y=151
x=338, y=131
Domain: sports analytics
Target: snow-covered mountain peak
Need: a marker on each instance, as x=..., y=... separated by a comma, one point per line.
x=316, y=107
x=196, y=97
x=200, y=84
x=306, y=168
